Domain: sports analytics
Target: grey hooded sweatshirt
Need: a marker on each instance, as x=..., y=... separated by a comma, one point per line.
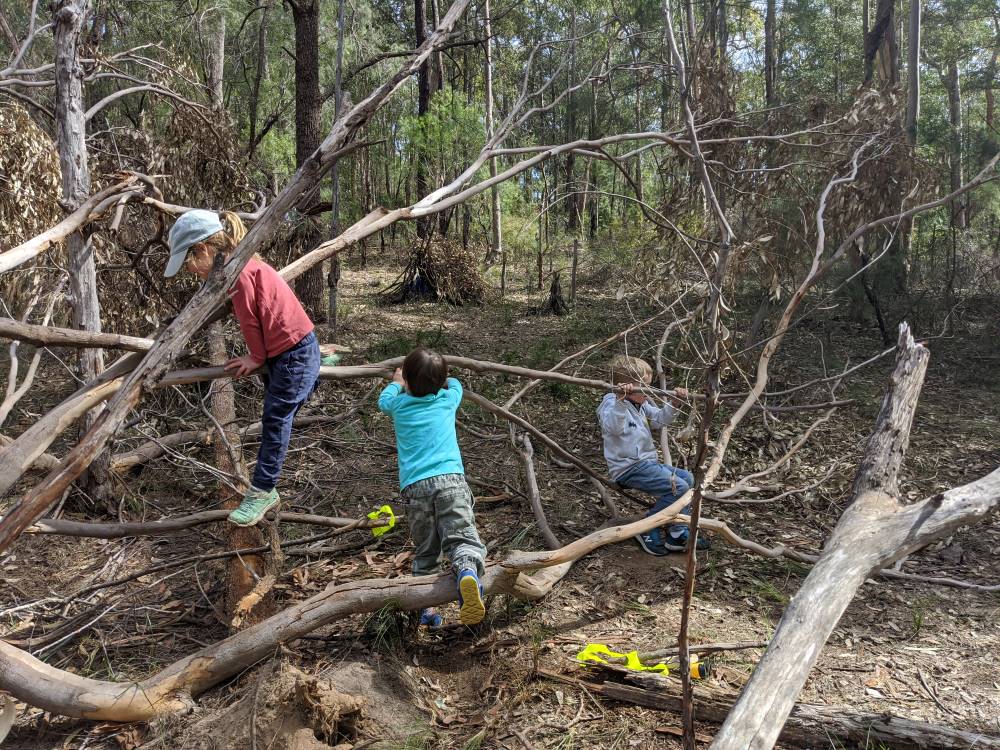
x=626, y=430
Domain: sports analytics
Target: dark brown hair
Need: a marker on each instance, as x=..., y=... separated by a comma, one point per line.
x=425, y=372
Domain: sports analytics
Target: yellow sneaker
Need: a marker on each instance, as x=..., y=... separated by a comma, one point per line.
x=470, y=597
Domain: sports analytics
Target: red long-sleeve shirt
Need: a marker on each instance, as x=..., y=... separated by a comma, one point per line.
x=271, y=317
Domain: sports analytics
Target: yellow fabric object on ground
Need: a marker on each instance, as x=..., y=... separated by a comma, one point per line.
x=385, y=510
x=594, y=653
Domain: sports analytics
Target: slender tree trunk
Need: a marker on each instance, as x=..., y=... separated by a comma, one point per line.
x=244, y=571
x=953, y=84
x=770, y=61
x=991, y=101
x=497, y=250
x=308, y=135
x=69, y=17
x=333, y=275
x=259, y=74
x=216, y=59
x=572, y=201
x=913, y=74
x=424, y=86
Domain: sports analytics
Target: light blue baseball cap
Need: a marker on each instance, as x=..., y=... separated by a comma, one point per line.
x=194, y=226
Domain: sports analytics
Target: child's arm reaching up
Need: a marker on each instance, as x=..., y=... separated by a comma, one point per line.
x=613, y=413
x=387, y=398
x=454, y=390
x=660, y=418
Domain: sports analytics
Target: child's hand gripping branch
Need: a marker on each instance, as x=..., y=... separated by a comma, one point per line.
x=277, y=332
x=423, y=401
x=626, y=419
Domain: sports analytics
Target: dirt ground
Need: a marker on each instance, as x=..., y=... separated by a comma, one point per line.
x=908, y=649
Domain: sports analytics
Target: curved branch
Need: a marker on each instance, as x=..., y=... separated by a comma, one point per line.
x=37, y=245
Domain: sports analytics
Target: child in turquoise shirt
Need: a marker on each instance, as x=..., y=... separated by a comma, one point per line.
x=422, y=401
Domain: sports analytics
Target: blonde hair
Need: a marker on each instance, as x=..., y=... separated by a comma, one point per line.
x=626, y=369
x=233, y=232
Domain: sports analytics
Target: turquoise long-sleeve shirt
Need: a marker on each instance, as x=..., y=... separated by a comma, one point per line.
x=425, y=431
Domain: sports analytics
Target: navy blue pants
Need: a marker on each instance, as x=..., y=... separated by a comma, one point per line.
x=665, y=482
x=291, y=378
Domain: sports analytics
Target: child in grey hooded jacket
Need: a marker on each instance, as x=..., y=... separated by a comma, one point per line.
x=627, y=419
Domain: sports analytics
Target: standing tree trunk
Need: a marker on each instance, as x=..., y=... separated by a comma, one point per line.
x=216, y=60
x=497, y=250
x=308, y=135
x=913, y=74
x=573, y=201
x=770, y=60
x=259, y=75
x=69, y=17
x=424, y=87
x=333, y=276
x=242, y=571
x=953, y=84
x=880, y=45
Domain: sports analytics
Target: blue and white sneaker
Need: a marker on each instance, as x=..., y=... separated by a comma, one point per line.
x=470, y=597
x=430, y=619
x=677, y=540
x=652, y=543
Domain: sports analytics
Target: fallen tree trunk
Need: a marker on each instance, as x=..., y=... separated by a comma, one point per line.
x=120, y=530
x=175, y=687
x=872, y=533
x=809, y=725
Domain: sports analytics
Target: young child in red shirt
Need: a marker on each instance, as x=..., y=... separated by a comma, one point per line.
x=277, y=332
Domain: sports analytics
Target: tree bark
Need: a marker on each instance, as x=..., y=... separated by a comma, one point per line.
x=242, y=571
x=913, y=73
x=497, y=250
x=424, y=87
x=873, y=532
x=953, y=84
x=216, y=60
x=880, y=45
x=69, y=17
x=260, y=73
x=333, y=275
x=770, y=61
x=308, y=134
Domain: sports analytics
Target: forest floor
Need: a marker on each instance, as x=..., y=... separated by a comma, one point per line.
x=911, y=650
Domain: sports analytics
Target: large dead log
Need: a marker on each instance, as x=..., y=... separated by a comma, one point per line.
x=872, y=533
x=809, y=725
x=175, y=687
x=214, y=291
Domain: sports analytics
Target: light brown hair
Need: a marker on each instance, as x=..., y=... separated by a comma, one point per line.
x=626, y=369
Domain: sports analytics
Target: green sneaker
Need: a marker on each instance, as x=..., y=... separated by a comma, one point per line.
x=255, y=504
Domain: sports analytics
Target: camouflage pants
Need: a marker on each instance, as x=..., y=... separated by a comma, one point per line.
x=439, y=511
